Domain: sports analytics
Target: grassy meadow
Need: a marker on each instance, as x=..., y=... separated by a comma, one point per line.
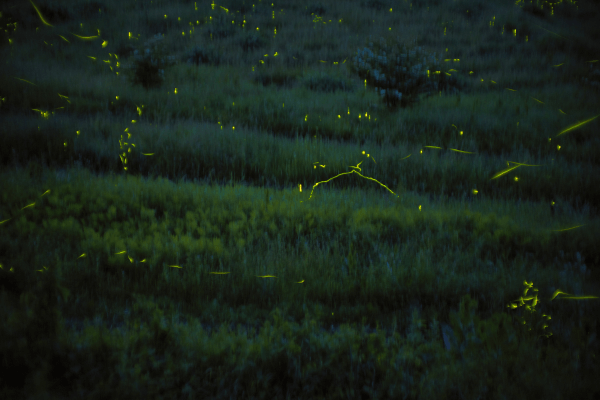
x=299, y=200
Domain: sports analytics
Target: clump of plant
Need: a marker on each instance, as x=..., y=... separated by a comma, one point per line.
x=147, y=73
x=149, y=67
x=400, y=72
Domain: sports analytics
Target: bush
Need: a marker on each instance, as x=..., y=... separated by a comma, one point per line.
x=400, y=74
x=147, y=73
x=149, y=66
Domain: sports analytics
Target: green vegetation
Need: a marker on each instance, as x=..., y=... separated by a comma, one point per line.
x=299, y=201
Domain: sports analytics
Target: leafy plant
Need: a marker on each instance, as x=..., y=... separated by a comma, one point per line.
x=401, y=73
x=149, y=67
x=147, y=73
x=535, y=322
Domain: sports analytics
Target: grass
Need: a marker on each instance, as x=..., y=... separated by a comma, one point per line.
x=260, y=223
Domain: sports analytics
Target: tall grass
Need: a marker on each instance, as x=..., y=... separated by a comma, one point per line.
x=201, y=208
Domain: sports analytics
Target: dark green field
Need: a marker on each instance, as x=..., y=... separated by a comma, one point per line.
x=329, y=200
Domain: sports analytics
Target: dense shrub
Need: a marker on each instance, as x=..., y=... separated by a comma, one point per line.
x=401, y=73
x=147, y=73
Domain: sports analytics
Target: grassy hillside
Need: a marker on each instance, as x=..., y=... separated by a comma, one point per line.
x=339, y=199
